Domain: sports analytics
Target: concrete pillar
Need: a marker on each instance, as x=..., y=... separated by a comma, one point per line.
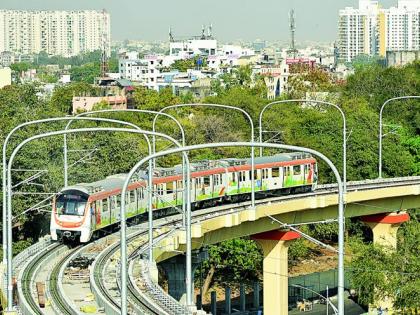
x=242, y=298
x=256, y=295
x=384, y=227
x=175, y=271
x=275, y=245
x=213, y=307
x=228, y=300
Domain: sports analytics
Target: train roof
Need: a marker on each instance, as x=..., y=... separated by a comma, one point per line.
x=117, y=181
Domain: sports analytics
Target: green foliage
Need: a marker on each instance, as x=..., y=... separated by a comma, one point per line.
x=48, y=78
x=63, y=95
x=183, y=65
x=324, y=231
x=378, y=272
x=20, y=66
x=364, y=61
x=86, y=73
x=313, y=80
x=298, y=249
x=152, y=100
x=235, y=260
x=95, y=56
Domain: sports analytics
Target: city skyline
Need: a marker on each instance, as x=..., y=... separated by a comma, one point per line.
x=269, y=20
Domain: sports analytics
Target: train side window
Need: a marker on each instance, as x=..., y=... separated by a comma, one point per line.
x=233, y=177
x=179, y=184
x=118, y=201
x=206, y=181
x=264, y=173
x=296, y=170
x=170, y=187
x=160, y=189
x=140, y=193
x=275, y=172
x=287, y=171
x=242, y=176
x=216, y=180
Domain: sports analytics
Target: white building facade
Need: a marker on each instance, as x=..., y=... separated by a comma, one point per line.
x=65, y=33
x=372, y=30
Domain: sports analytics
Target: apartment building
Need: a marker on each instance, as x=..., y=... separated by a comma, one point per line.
x=372, y=30
x=65, y=33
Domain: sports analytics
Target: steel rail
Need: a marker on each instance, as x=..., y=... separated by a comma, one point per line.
x=4, y=163
x=98, y=268
x=26, y=279
x=242, y=144
x=321, y=190
x=188, y=237
x=59, y=302
x=9, y=194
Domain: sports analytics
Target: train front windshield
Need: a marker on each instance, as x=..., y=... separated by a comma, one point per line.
x=71, y=204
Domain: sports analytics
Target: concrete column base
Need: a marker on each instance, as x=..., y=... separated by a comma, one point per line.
x=175, y=271
x=275, y=245
x=154, y=272
x=384, y=228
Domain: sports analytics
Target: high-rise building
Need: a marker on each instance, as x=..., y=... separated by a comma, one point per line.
x=65, y=33
x=372, y=30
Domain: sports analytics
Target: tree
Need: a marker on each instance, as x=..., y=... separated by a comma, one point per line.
x=183, y=65
x=62, y=98
x=145, y=98
x=243, y=75
x=378, y=272
x=234, y=260
x=85, y=73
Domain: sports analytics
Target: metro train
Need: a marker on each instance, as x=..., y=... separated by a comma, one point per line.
x=83, y=210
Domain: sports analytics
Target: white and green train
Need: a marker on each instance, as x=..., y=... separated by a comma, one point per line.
x=81, y=210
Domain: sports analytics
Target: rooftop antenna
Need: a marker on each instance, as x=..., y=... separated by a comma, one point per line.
x=210, y=31
x=292, y=26
x=104, y=53
x=203, y=32
x=171, y=37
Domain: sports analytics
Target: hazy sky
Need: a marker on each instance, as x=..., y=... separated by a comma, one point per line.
x=231, y=19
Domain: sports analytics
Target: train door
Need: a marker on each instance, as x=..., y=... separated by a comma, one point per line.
x=307, y=174
x=207, y=187
x=179, y=192
x=287, y=176
x=297, y=175
x=106, y=209
x=263, y=177
x=233, y=183
x=93, y=215
x=242, y=181
x=218, y=188
x=276, y=180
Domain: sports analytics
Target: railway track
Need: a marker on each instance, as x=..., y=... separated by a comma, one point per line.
x=59, y=302
x=28, y=274
x=27, y=278
x=139, y=305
